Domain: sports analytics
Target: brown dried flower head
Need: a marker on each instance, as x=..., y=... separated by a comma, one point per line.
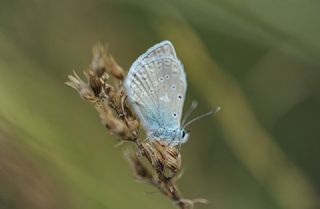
x=104, y=88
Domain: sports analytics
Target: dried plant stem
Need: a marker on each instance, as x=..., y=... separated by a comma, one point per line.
x=167, y=186
x=104, y=90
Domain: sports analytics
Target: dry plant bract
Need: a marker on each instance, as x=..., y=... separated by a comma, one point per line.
x=103, y=87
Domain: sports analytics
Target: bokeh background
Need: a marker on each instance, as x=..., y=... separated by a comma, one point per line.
x=257, y=59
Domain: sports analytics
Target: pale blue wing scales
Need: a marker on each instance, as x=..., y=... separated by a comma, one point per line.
x=171, y=90
x=162, y=49
x=142, y=102
x=156, y=86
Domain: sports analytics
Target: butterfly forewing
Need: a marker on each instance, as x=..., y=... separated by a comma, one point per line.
x=156, y=87
x=162, y=49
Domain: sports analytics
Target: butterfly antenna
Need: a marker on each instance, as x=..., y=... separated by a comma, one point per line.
x=193, y=106
x=212, y=112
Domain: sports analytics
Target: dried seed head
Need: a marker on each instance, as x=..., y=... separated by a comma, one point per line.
x=115, y=69
x=109, y=90
x=108, y=100
x=171, y=156
x=96, y=85
x=162, y=156
x=174, y=163
x=153, y=156
x=83, y=88
x=110, y=121
x=98, y=66
x=104, y=62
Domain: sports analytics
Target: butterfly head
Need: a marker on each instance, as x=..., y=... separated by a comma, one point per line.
x=178, y=136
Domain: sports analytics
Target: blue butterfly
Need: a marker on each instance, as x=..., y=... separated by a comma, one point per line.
x=156, y=87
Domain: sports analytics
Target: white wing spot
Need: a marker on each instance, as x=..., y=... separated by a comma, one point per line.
x=165, y=98
x=179, y=96
x=174, y=115
x=167, y=77
x=173, y=87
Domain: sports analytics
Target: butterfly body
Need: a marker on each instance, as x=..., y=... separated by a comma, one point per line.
x=156, y=87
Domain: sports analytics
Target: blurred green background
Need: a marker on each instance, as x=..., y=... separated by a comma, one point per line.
x=258, y=60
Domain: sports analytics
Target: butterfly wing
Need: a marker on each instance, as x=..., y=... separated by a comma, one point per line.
x=156, y=86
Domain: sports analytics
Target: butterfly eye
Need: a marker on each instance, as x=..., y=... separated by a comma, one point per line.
x=183, y=134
